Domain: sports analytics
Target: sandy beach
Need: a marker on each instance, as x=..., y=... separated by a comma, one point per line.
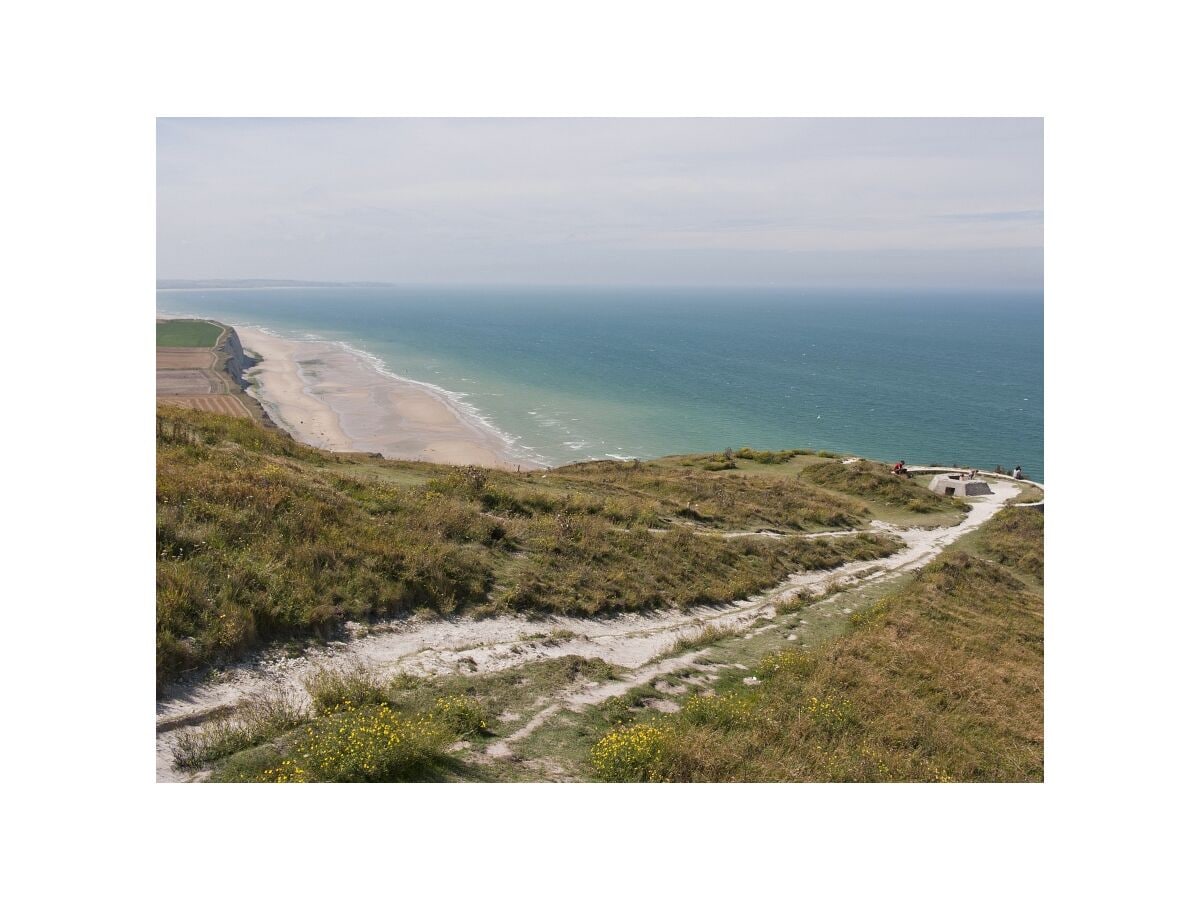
x=330, y=397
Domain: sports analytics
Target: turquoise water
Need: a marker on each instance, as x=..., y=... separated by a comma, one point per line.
x=576, y=373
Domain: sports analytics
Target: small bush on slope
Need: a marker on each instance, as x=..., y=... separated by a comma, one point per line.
x=332, y=689
x=250, y=724
x=364, y=743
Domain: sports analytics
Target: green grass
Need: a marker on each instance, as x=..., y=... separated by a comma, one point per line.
x=187, y=333
x=358, y=744
x=937, y=677
x=783, y=469
x=707, y=636
x=250, y=724
x=475, y=708
x=330, y=689
x=873, y=481
x=1029, y=494
x=261, y=538
x=1014, y=538
x=939, y=681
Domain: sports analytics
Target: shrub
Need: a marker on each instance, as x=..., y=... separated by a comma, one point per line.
x=707, y=635
x=463, y=481
x=799, y=600
x=766, y=457
x=787, y=663
x=365, y=743
x=616, y=711
x=462, y=715
x=632, y=753
x=723, y=711
x=333, y=689
x=832, y=716
x=249, y=724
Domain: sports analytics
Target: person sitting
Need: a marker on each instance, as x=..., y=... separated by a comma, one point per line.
x=1017, y=473
x=899, y=469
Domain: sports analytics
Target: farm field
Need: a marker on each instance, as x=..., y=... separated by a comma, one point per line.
x=186, y=381
x=225, y=404
x=187, y=333
x=190, y=369
x=183, y=358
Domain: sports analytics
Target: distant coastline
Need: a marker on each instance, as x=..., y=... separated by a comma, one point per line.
x=329, y=395
x=185, y=284
x=570, y=375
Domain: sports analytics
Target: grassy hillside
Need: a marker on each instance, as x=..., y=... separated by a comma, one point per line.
x=187, y=333
x=260, y=537
x=941, y=681
x=874, y=481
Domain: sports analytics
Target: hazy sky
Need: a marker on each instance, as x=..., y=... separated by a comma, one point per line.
x=939, y=203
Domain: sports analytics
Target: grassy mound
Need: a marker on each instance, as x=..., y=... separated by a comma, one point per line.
x=873, y=481
x=941, y=681
x=260, y=537
x=719, y=500
x=1014, y=538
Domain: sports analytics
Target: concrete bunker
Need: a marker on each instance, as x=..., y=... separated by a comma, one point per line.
x=959, y=486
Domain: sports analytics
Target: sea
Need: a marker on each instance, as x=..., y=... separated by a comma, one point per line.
x=567, y=374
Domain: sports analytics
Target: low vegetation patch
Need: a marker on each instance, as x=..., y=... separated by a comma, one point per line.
x=365, y=743
x=799, y=600
x=332, y=689
x=705, y=637
x=251, y=723
x=767, y=457
x=1013, y=538
x=940, y=681
x=721, y=499
x=874, y=481
x=261, y=538
x=406, y=735
x=461, y=715
x=631, y=753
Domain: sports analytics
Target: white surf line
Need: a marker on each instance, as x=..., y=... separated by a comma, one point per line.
x=631, y=640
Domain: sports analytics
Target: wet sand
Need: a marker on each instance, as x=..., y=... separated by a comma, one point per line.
x=330, y=397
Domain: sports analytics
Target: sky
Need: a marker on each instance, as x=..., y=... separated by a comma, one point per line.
x=953, y=204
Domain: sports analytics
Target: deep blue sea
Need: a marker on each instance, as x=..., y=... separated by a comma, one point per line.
x=580, y=373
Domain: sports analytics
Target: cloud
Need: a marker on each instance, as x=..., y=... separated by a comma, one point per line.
x=855, y=202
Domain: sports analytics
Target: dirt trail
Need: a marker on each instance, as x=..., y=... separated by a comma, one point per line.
x=635, y=641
